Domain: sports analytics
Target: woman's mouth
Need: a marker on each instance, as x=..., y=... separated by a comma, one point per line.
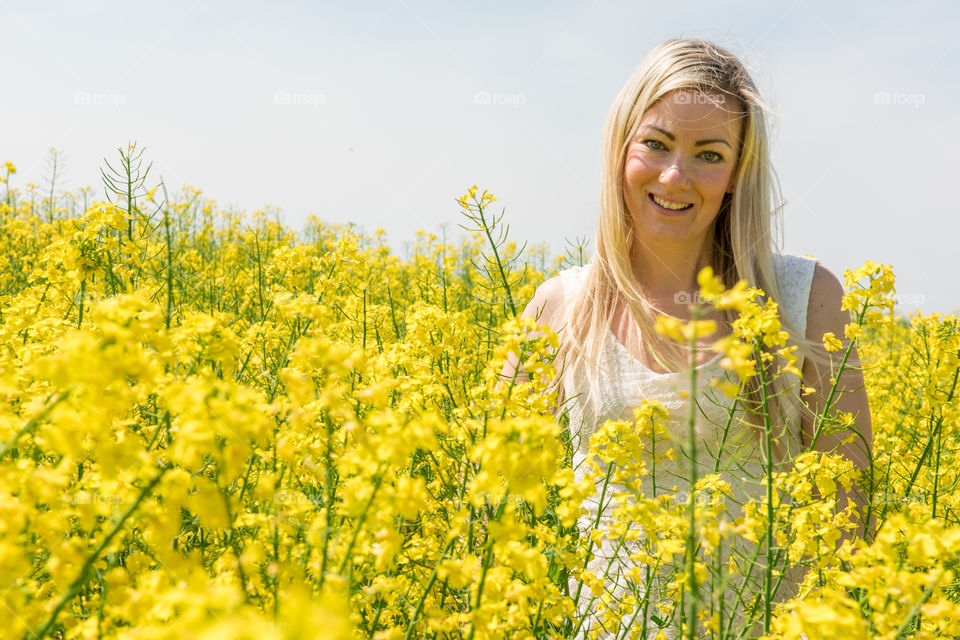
x=669, y=206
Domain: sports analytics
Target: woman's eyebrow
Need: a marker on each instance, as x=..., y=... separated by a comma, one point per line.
x=698, y=143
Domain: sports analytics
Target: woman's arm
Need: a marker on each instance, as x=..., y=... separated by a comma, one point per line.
x=824, y=314
x=545, y=308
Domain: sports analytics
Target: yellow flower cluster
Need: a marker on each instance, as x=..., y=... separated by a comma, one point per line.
x=216, y=427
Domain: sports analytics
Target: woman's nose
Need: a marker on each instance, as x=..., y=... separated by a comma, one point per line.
x=675, y=174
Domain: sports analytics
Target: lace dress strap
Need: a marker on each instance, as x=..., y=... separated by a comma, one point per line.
x=794, y=277
x=572, y=279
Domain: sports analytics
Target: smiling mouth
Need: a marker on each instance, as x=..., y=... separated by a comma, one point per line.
x=667, y=205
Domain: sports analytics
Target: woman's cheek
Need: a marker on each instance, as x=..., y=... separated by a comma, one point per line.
x=714, y=180
x=635, y=169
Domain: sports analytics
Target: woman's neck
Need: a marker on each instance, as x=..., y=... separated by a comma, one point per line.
x=668, y=273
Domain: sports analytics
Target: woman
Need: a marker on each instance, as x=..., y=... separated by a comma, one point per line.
x=687, y=184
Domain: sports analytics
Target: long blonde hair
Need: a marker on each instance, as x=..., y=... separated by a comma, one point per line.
x=743, y=240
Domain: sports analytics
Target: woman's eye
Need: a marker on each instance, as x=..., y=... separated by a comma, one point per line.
x=712, y=156
x=654, y=144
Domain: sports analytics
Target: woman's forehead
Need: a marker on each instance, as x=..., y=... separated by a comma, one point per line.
x=688, y=112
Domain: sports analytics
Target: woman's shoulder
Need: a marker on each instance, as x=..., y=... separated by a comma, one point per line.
x=549, y=300
x=811, y=293
x=825, y=310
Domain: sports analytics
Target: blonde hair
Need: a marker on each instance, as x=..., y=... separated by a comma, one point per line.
x=743, y=239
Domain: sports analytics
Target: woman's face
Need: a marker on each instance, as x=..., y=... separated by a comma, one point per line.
x=679, y=166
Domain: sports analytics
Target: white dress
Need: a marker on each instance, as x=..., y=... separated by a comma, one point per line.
x=624, y=384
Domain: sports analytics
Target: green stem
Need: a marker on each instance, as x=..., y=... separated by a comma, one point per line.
x=32, y=422
x=487, y=561
x=166, y=231
x=84, y=574
x=83, y=291
x=768, y=463
x=692, y=596
x=377, y=481
x=426, y=591
x=820, y=419
x=908, y=621
x=496, y=257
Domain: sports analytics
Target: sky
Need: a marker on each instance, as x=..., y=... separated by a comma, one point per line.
x=384, y=113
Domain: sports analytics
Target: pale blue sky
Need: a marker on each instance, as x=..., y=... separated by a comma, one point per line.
x=382, y=113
